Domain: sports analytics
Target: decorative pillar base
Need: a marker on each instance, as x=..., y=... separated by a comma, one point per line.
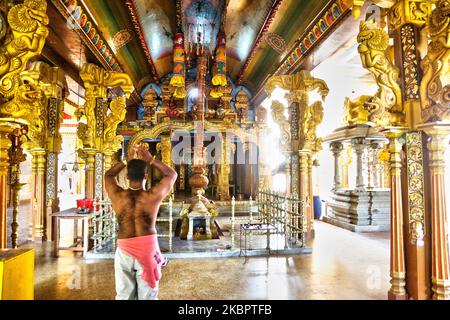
x=398, y=280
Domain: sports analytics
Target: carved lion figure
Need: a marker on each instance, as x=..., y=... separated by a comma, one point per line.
x=355, y=111
x=118, y=108
x=26, y=99
x=385, y=107
x=435, y=85
x=25, y=40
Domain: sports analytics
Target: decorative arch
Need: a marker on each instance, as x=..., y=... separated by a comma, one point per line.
x=157, y=130
x=161, y=128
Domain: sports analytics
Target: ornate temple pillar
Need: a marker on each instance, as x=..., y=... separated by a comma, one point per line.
x=223, y=185
x=440, y=268
x=299, y=137
x=98, y=134
x=397, y=260
x=6, y=128
x=45, y=142
x=435, y=113
x=22, y=100
x=359, y=146
x=336, y=148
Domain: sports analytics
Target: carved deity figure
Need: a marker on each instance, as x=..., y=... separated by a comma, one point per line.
x=385, y=107
x=435, y=85
x=25, y=40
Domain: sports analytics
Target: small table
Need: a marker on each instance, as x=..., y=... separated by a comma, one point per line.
x=247, y=228
x=71, y=214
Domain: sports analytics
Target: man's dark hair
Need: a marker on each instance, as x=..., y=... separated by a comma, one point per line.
x=136, y=170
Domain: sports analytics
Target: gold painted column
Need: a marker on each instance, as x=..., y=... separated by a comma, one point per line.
x=304, y=189
x=16, y=157
x=440, y=269
x=89, y=173
x=311, y=194
x=223, y=185
x=6, y=128
x=38, y=208
x=397, y=259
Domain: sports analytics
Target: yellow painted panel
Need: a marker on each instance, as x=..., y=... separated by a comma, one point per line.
x=18, y=276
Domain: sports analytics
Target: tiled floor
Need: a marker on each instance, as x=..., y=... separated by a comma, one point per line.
x=344, y=265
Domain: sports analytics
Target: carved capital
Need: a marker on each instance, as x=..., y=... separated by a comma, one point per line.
x=409, y=12
x=307, y=115
x=99, y=131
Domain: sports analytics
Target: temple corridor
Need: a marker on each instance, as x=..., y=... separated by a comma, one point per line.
x=343, y=265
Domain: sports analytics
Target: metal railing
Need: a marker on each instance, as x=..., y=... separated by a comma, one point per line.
x=286, y=213
x=105, y=227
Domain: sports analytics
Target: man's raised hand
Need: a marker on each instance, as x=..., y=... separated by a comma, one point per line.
x=145, y=154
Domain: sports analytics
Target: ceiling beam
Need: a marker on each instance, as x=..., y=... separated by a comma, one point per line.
x=63, y=10
x=136, y=20
x=303, y=47
x=265, y=28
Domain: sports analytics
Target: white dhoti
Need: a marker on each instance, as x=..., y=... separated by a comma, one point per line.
x=129, y=284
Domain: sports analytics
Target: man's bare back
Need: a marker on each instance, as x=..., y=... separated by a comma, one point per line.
x=137, y=209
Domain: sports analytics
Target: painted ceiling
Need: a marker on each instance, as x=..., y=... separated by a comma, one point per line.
x=139, y=33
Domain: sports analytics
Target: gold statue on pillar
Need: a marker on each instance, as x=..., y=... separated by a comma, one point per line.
x=435, y=86
x=97, y=133
x=24, y=40
x=385, y=107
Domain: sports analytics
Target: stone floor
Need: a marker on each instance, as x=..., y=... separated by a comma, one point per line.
x=343, y=265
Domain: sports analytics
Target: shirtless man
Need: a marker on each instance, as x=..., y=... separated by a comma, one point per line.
x=138, y=259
